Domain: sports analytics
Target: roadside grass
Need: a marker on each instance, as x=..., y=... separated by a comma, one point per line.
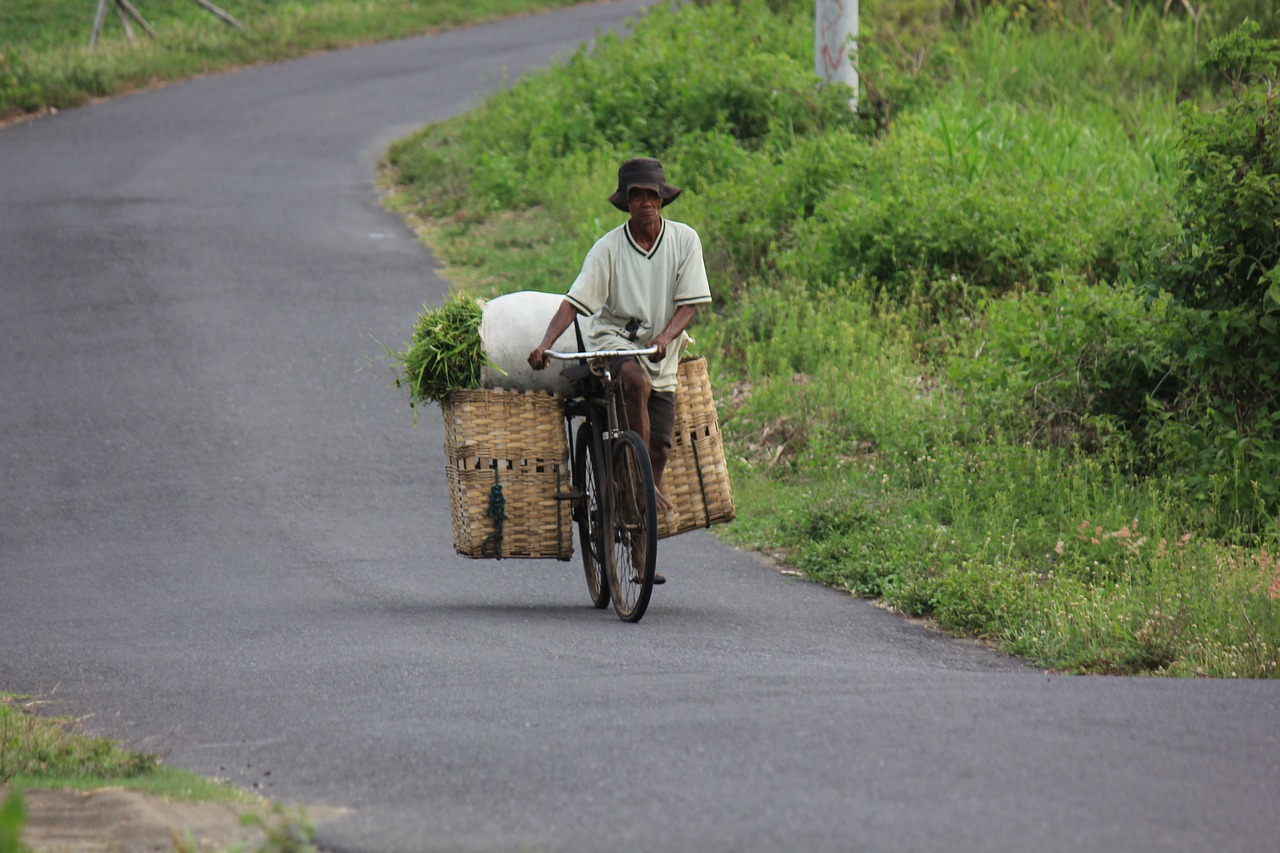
x=38, y=751
x=852, y=463
x=927, y=352
x=54, y=752
x=45, y=61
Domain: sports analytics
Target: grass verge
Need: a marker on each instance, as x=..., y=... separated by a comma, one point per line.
x=46, y=63
x=55, y=753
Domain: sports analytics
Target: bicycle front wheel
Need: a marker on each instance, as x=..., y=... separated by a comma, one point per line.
x=588, y=468
x=634, y=518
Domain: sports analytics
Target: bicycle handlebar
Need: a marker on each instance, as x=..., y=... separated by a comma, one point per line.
x=604, y=353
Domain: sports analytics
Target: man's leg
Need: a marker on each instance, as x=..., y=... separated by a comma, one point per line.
x=662, y=419
x=636, y=393
x=636, y=388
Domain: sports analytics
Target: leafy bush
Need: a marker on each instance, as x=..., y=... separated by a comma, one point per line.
x=646, y=96
x=19, y=92
x=755, y=200
x=1071, y=362
x=998, y=197
x=1222, y=432
x=1228, y=254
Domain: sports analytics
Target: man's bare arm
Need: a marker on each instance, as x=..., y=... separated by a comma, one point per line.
x=679, y=322
x=560, y=321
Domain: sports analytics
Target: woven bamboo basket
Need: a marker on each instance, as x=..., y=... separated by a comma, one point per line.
x=696, y=481
x=516, y=441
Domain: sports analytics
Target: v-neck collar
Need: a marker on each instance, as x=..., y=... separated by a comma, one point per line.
x=652, y=250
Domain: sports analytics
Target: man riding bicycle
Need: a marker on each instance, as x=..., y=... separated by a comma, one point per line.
x=640, y=286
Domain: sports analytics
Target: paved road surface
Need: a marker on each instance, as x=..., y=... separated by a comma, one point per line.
x=221, y=537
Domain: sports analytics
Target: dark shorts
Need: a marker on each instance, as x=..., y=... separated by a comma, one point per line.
x=662, y=410
x=662, y=417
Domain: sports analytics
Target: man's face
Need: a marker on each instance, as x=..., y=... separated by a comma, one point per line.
x=644, y=204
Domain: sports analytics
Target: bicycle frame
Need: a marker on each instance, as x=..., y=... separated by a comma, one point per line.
x=610, y=388
x=602, y=411
x=622, y=525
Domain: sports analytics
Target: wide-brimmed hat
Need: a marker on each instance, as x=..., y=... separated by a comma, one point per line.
x=646, y=173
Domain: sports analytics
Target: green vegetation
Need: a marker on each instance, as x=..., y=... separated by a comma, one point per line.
x=444, y=352
x=52, y=752
x=999, y=349
x=13, y=816
x=45, y=61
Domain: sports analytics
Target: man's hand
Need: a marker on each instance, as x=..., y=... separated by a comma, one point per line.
x=564, y=315
x=679, y=322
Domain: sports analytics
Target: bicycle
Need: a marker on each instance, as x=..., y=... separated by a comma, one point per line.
x=614, y=500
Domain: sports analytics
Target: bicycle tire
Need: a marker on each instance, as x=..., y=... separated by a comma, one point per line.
x=632, y=511
x=590, y=513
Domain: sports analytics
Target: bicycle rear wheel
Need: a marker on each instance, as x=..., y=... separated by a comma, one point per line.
x=634, y=521
x=587, y=468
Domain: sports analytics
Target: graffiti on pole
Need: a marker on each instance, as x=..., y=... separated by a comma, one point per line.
x=835, y=45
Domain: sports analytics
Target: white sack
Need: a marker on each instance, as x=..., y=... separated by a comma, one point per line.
x=510, y=327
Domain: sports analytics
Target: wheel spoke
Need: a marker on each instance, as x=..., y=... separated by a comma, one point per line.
x=634, y=534
x=590, y=514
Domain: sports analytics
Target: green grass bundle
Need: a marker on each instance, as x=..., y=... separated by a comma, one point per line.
x=445, y=352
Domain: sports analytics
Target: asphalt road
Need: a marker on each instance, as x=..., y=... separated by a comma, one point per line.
x=222, y=539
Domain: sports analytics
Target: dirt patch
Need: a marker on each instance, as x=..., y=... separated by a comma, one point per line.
x=113, y=820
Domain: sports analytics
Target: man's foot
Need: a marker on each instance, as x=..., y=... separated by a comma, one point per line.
x=657, y=578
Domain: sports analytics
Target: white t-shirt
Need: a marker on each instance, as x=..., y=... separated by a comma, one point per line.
x=631, y=294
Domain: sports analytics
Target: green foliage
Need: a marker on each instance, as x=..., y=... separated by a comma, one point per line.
x=1018, y=172
x=997, y=198
x=1003, y=57
x=1071, y=366
x=13, y=816
x=444, y=353
x=903, y=50
x=1228, y=255
x=1222, y=431
x=1225, y=15
x=670, y=97
x=18, y=90
x=35, y=748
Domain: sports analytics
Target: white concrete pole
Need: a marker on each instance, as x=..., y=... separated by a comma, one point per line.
x=835, y=43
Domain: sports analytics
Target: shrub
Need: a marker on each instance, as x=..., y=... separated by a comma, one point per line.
x=1223, y=270
x=19, y=92
x=999, y=197
x=1071, y=361
x=755, y=199
x=1228, y=254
